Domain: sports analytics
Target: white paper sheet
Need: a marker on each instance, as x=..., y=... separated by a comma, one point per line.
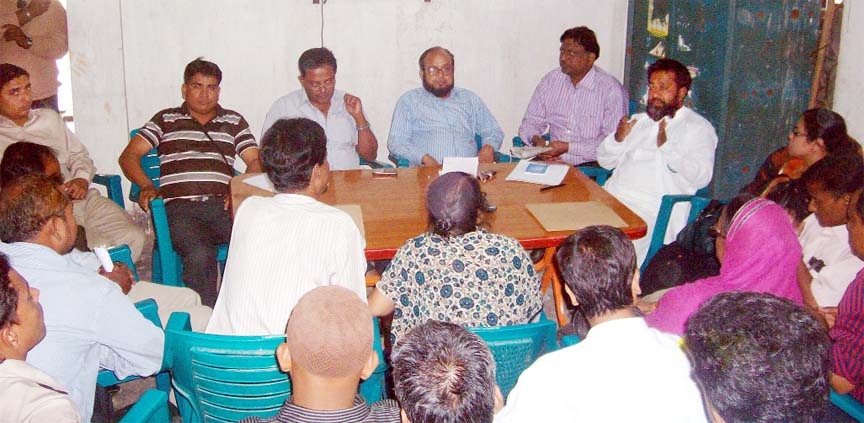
x=553, y=175
x=460, y=164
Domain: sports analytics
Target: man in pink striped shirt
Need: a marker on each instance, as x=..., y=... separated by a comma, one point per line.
x=577, y=104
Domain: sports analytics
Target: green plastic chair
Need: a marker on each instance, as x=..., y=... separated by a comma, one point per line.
x=517, y=347
x=598, y=174
x=849, y=405
x=167, y=266
x=221, y=378
x=697, y=204
x=152, y=407
x=112, y=187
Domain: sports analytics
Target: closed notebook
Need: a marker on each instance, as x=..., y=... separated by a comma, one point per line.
x=574, y=216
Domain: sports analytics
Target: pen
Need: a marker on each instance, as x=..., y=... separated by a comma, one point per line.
x=550, y=187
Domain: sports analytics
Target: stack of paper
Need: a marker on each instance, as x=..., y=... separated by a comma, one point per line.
x=538, y=173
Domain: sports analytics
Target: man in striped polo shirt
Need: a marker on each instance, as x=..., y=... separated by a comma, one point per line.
x=577, y=104
x=197, y=144
x=440, y=120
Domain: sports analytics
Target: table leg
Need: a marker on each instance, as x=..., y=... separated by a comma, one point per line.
x=550, y=277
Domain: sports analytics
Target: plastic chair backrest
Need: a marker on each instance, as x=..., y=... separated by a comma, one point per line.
x=152, y=407
x=849, y=405
x=517, y=347
x=123, y=254
x=113, y=187
x=697, y=204
x=227, y=378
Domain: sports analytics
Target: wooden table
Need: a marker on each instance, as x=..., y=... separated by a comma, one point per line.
x=394, y=210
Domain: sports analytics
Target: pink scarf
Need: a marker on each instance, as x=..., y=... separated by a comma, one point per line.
x=762, y=255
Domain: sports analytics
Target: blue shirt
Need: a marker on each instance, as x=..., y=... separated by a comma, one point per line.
x=441, y=127
x=89, y=324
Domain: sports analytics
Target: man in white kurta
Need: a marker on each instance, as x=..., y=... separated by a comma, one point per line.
x=667, y=150
x=284, y=246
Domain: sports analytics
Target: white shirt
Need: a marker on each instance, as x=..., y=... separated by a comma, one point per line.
x=623, y=371
x=29, y=395
x=281, y=248
x=90, y=324
x=839, y=265
x=340, y=127
x=644, y=173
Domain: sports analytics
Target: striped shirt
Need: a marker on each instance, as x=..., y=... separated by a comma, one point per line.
x=384, y=411
x=441, y=127
x=191, y=163
x=581, y=115
x=847, y=353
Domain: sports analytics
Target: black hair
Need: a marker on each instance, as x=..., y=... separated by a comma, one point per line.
x=585, y=37
x=315, y=58
x=682, y=75
x=290, y=149
x=837, y=174
x=453, y=202
x=9, y=72
x=598, y=263
x=759, y=358
x=24, y=158
x=444, y=374
x=203, y=67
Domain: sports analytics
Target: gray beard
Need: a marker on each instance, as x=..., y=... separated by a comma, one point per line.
x=659, y=112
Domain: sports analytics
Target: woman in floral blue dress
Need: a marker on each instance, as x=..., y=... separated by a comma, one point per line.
x=457, y=271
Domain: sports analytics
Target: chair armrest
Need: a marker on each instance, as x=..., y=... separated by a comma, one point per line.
x=123, y=254
x=113, y=187
x=849, y=405
x=598, y=174
x=400, y=162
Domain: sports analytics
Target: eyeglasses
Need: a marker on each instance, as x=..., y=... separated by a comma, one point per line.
x=446, y=70
x=572, y=53
x=315, y=85
x=714, y=232
x=795, y=133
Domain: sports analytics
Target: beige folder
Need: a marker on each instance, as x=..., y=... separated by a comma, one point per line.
x=574, y=216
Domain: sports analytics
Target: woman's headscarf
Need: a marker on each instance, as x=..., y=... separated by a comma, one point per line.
x=762, y=255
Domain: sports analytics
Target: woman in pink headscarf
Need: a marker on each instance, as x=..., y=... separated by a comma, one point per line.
x=758, y=251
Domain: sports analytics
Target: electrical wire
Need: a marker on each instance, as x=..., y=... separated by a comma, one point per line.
x=323, y=2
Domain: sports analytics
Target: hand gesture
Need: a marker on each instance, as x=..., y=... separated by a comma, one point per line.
x=76, y=189
x=15, y=33
x=145, y=196
x=624, y=127
x=121, y=275
x=558, y=148
x=538, y=141
x=661, y=134
x=354, y=107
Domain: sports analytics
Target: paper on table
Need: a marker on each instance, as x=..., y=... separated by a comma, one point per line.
x=356, y=214
x=460, y=164
x=574, y=216
x=261, y=181
x=553, y=176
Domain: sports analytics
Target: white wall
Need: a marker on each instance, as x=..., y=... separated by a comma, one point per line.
x=128, y=56
x=849, y=86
